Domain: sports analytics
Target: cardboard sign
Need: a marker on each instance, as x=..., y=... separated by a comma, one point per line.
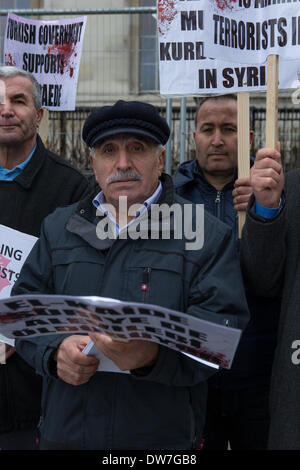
x=14, y=248
x=184, y=35
x=250, y=30
x=51, y=51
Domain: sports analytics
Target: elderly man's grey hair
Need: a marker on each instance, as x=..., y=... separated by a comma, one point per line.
x=7, y=71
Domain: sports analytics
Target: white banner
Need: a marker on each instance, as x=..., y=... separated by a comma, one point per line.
x=14, y=248
x=51, y=51
x=184, y=69
x=36, y=315
x=250, y=30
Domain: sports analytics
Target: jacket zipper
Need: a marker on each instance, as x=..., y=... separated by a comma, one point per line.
x=218, y=202
x=145, y=284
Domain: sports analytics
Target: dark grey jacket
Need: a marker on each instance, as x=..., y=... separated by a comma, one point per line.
x=271, y=263
x=158, y=408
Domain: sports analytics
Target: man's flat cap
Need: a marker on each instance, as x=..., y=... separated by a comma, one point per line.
x=125, y=117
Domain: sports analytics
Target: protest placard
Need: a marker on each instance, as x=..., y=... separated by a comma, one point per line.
x=184, y=35
x=15, y=246
x=243, y=30
x=51, y=51
x=37, y=315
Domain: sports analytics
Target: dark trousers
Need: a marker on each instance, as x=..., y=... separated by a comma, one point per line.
x=237, y=418
x=24, y=439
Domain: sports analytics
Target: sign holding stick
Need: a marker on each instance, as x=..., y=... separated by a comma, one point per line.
x=272, y=102
x=44, y=127
x=243, y=146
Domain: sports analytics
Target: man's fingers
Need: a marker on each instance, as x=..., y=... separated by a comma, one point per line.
x=266, y=153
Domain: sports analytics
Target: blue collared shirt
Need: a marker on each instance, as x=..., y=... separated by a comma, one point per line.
x=10, y=175
x=267, y=212
x=100, y=203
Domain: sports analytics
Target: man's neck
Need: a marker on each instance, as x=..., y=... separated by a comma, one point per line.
x=218, y=181
x=11, y=156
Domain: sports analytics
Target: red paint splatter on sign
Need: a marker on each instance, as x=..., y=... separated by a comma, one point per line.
x=8, y=60
x=3, y=264
x=225, y=4
x=68, y=53
x=166, y=14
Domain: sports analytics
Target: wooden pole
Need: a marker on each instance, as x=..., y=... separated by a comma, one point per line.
x=272, y=102
x=243, y=146
x=44, y=127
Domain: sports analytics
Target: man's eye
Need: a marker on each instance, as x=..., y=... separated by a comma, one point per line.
x=137, y=148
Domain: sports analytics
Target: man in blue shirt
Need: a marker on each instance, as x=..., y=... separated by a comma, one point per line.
x=270, y=261
x=237, y=412
x=33, y=182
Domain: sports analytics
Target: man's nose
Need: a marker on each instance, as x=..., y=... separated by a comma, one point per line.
x=124, y=160
x=217, y=138
x=6, y=109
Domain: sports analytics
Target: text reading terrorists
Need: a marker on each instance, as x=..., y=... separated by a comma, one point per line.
x=248, y=35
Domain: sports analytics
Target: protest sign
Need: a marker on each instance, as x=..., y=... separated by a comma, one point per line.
x=15, y=246
x=184, y=63
x=37, y=315
x=51, y=51
x=243, y=30
x=14, y=249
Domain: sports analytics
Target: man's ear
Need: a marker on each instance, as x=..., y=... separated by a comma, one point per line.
x=39, y=116
x=161, y=163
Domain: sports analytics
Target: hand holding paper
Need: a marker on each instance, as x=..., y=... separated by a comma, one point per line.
x=126, y=356
x=74, y=367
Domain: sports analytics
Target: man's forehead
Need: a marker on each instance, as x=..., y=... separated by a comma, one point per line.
x=17, y=84
x=224, y=111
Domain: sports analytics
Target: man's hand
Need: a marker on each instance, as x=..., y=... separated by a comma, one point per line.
x=241, y=193
x=126, y=355
x=267, y=178
x=73, y=366
x=9, y=351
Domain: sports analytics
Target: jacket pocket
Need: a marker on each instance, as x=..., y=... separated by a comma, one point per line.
x=157, y=280
x=77, y=271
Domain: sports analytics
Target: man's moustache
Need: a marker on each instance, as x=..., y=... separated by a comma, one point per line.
x=124, y=176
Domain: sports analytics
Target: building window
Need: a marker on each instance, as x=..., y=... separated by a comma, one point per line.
x=148, y=50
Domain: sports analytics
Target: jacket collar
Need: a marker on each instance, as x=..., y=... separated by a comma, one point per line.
x=83, y=222
x=29, y=173
x=190, y=171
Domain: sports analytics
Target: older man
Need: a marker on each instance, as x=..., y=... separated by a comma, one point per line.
x=33, y=182
x=160, y=403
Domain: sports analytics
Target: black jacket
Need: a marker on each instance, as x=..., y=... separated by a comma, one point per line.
x=254, y=357
x=270, y=254
x=161, y=407
x=46, y=182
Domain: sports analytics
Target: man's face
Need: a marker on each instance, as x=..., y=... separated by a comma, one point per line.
x=216, y=137
x=127, y=166
x=18, y=117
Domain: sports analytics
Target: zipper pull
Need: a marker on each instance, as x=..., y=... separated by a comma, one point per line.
x=145, y=279
x=218, y=198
